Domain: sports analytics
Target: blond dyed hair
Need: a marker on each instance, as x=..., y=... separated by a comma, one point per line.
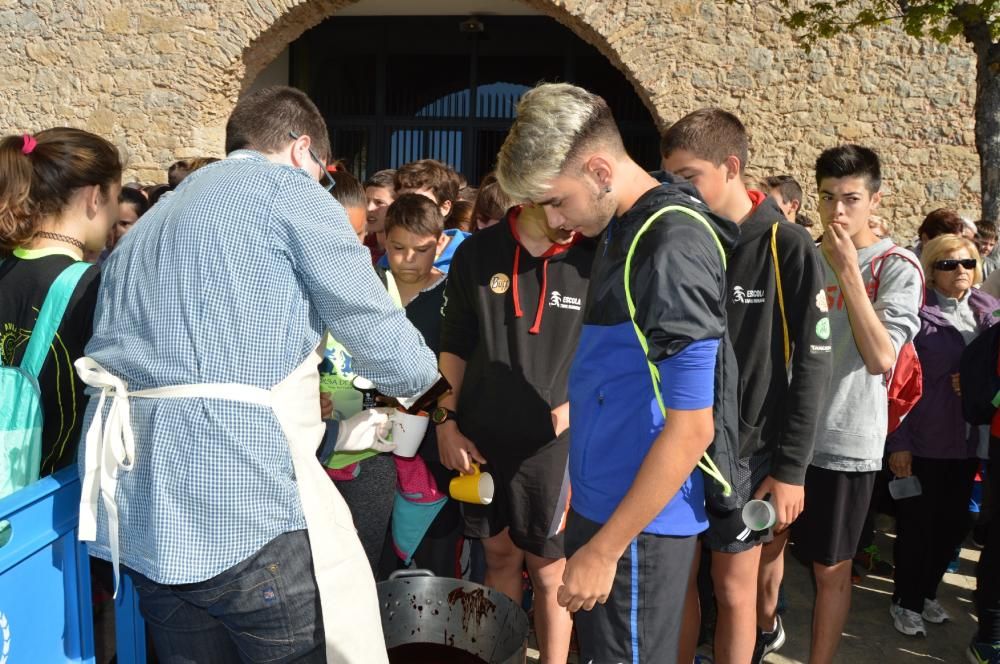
x=555, y=122
x=934, y=250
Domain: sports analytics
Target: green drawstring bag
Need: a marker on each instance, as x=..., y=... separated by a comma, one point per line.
x=20, y=397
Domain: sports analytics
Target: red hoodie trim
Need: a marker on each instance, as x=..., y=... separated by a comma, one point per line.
x=756, y=197
x=554, y=250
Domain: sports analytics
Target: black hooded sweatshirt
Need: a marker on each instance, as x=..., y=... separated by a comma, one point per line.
x=515, y=319
x=778, y=414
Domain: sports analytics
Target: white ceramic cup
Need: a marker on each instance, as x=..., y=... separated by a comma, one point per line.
x=408, y=432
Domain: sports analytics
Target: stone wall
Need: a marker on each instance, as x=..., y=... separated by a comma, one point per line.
x=160, y=77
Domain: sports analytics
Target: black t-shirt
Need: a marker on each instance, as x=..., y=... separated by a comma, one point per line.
x=24, y=283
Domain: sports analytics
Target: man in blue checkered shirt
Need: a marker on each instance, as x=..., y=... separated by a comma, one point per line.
x=225, y=288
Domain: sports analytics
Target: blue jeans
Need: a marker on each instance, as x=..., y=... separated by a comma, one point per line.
x=264, y=609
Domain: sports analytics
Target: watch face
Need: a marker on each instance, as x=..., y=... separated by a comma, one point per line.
x=439, y=415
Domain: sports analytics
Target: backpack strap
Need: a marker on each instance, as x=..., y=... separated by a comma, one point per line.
x=50, y=317
x=781, y=294
x=706, y=464
x=879, y=262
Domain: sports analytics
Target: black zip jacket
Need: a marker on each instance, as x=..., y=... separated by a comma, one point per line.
x=679, y=285
x=515, y=319
x=778, y=414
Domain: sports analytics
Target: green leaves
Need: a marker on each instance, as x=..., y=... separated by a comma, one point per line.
x=942, y=20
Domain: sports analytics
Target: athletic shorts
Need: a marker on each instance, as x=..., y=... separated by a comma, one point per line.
x=828, y=530
x=530, y=499
x=724, y=528
x=641, y=621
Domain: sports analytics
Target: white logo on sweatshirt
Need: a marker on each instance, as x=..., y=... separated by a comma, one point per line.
x=748, y=296
x=561, y=301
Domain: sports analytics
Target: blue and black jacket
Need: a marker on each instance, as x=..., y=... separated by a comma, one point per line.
x=678, y=284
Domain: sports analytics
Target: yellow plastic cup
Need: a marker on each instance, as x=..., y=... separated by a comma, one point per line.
x=476, y=488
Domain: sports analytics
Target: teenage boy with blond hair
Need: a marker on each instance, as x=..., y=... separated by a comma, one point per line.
x=637, y=501
x=780, y=333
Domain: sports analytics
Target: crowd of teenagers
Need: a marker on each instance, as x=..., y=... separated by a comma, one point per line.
x=632, y=357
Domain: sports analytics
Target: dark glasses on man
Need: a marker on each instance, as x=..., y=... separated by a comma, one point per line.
x=950, y=264
x=328, y=182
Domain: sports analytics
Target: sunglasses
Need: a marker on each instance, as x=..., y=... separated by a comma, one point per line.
x=950, y=264
x=328, y=182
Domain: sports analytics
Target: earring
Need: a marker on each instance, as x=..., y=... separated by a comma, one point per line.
x=607, y=189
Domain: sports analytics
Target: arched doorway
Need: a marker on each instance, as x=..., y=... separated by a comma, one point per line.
x=398, y=88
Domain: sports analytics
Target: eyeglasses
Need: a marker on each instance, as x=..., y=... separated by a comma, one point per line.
x=950, y=264
x=329, y=183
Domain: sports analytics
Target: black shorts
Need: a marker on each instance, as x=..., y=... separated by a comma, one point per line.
x=530, y=499
x=828, y=530
x=641, y=621
x=724, y=528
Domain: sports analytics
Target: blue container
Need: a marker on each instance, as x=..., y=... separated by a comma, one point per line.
x=46, y=612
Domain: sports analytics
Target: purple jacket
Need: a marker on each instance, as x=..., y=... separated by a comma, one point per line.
x=935, y=428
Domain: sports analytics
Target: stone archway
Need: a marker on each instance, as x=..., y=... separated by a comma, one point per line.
x=161, y=81
x=586, y=20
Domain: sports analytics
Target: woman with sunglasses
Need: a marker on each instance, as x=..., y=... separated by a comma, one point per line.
x=934, y=442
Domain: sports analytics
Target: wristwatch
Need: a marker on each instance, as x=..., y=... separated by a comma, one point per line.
x=440, y=415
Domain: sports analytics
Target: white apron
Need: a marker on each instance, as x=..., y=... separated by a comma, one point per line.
x=351, y=619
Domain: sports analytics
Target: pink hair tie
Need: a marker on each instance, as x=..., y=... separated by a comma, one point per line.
x=29, y=144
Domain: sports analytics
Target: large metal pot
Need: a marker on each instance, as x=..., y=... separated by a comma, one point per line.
x=418, y=607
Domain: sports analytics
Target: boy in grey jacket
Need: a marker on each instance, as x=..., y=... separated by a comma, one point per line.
x=869, y=323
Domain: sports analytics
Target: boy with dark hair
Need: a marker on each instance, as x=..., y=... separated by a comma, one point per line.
x=440, y=183
x=787, y=193
x=380, y=190
x=652, y=384
x=778, y=327
x=986, y=242
x=870, y=321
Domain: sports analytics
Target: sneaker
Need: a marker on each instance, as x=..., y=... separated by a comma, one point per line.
x=934, y=612
x=983, y=653
x=773, y=640
x=906, y=621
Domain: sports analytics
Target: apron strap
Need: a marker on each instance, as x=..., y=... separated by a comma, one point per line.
x=111, y=444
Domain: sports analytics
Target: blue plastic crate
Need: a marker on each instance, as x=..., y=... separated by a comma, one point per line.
x=45, y=603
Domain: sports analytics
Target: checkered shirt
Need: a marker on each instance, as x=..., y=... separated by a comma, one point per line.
x=232, y=278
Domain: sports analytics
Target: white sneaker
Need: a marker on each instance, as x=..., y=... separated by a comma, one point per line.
x=905, y=621
x=934, y=612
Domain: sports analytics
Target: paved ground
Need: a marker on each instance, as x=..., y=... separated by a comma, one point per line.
x=869, y=637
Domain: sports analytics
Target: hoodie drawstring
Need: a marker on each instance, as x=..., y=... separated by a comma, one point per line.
x=536, y=327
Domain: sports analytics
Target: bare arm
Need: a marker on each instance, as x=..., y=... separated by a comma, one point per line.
x=455, y=450
x=870, y=335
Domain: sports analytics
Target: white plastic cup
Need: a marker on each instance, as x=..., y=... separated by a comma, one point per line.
x=759, y=515
x=407, y=432
x=905, y=487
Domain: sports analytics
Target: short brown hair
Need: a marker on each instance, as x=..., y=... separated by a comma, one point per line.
x=185, y=167
x=492, y=202
x=415, y=213
x=431, y=174
x=263, y=120
x=986, y=230
x=347, y=190
x=385, y=179
x=460, y=217
x=711, y=134
x=38, y=175
x=941, y=222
